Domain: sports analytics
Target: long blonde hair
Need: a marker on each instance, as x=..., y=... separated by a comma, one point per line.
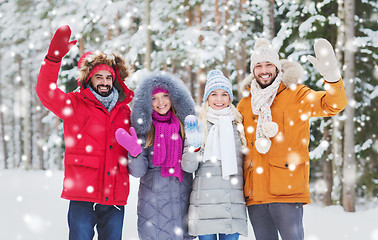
x=238, y=120
x=151, y=134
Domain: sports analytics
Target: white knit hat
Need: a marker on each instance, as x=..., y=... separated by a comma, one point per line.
x=216, y=80
x=264, y=52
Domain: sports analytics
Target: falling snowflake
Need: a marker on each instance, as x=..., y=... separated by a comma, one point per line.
x=312, y=237
x=67, y=111
x=304, y=117
x=52, y=86
x=320, y=186
x=175, y=136
x=292, y=167
x=259, y=170
x=69, y=141
x=34, y=223
x=48, y=173
x=178, y=231
x=88, y=148
x=123, y=161
x=90, y=189
x=234, y=181
x=68, y=183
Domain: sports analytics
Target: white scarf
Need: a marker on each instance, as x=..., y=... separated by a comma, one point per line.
x=220, y=142
x=261, y=100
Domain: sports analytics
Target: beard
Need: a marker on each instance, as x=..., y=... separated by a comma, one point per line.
x=102, y=93
x=266, y=83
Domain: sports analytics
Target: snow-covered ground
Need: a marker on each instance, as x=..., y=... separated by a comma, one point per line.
x=31, y=209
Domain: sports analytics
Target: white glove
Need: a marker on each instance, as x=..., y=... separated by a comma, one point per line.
x=325, y=60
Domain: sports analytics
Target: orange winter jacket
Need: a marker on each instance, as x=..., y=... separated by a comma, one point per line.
x=282, y=174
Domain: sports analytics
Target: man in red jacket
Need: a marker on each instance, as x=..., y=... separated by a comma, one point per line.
x=96, y=179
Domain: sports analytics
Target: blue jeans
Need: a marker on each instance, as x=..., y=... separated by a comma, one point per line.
x=84, y=216
x=270, y=219
x=222, y=236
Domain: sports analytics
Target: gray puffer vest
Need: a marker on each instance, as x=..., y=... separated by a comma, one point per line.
x=216, y=205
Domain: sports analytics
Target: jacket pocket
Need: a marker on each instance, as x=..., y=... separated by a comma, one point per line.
x=122, y=183
x=81, y=176
x=286, y=178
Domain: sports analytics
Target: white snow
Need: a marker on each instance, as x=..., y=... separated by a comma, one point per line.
x=32, y=209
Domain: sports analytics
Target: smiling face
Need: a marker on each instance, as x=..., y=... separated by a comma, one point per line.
x=102, y=82
x=161, y=103
x=265, y=73
x=219, y=99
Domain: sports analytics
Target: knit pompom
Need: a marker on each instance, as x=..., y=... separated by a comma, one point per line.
x=262, y=42
x=214, y=73
x=292, y=72
x=270, y=129
x=263, y=145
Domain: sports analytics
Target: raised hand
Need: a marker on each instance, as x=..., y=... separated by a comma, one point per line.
x=325, y=60
x=193, y=131
x=128, y=141
x=60, y=44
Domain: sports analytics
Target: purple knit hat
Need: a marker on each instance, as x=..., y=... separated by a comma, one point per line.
x=159, y=89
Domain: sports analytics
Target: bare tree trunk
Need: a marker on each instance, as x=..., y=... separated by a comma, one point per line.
x=226, y=49
x=337, y=149
x=268, y=19
x=39, y=135
x=17, y=140
x=118, y=30
x=81, y=46
x=28, y=142
x=108, y=32
x=327, y=167
x=271, y=11
x=147, y=56
x=189, y=69
x=2, y=122
x=217, y=16
x=349, y=168
x=241, y=56
x=201, y=70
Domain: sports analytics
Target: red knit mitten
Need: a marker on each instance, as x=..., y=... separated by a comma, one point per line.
x=60, y=44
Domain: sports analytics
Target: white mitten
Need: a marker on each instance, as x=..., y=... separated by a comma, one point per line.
x=270, y=129
x=325, y=60
x=262, y=145
x=193, y=131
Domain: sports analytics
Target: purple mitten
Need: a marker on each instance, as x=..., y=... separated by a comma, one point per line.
x=128, y=141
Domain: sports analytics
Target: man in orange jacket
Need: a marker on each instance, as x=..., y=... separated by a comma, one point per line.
x=276, y=116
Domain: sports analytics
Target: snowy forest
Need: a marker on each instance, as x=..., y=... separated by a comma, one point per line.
x=190, y=38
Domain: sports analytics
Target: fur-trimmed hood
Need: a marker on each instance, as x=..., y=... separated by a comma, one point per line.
x=90, y=59
x=292, y=74
x=181, y=99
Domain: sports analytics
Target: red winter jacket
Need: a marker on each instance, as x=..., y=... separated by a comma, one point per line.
x=95, y=164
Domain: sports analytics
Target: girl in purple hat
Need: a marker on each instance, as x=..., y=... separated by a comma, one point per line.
x=161, y=104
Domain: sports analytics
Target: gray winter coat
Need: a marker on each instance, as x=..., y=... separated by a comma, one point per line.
x=216, y=205
x=162, y=201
